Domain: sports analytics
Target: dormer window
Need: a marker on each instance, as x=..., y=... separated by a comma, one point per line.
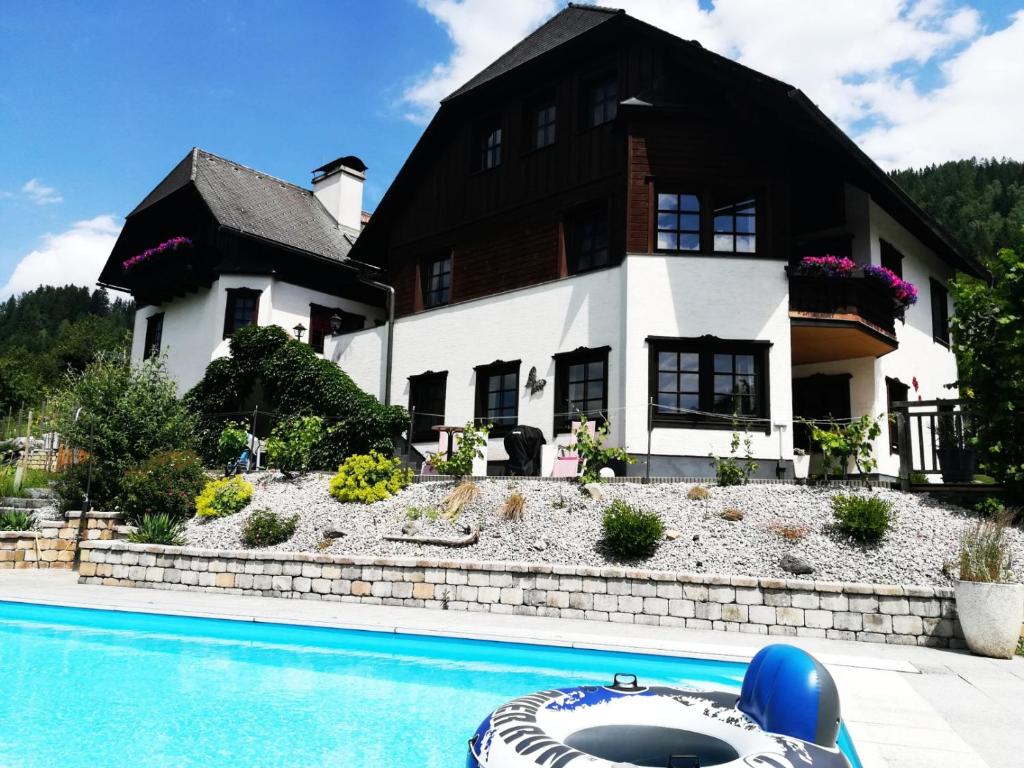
x=735, y=224
x=542, y=123
x=602, y=100
x=487, y=145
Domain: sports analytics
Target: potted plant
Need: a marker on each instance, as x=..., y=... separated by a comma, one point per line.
x=957, y=460
x=990, y=605
x=801, y=464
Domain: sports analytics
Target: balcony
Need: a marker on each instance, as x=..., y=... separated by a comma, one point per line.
x=839, y=318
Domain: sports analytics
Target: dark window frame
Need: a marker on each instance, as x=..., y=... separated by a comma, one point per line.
x=680, y=230
x=890, y=257
x=735, y=233
x=572, y=221
x=488, y=144
x=706, y=347
x=548, y=106
x=481, y=412
x=608, y=84
x=437, y=296
x=422, y=425
x=939, y=297
x=895, y=391
x=231, y=309
x=154, y=328
x=564, y=361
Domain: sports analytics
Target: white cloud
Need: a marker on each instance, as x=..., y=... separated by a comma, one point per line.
x=40, y=194
x=74, y=256
x=914, y=81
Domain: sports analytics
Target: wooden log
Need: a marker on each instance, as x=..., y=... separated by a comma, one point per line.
x=471, y=538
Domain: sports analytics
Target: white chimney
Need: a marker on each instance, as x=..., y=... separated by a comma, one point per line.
x=338, y=186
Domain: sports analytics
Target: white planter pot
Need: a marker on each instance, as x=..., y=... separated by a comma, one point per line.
x=990, y=615
x=801, y=466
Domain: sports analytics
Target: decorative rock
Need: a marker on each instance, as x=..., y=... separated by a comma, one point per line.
x=412, y=528
x=334, y=533
x=733, y=515
x=672, y=534
x=540, y=545
x=595, y=491
x=795, y=564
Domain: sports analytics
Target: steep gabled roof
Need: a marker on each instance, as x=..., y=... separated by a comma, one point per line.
x=253, y=203
x=571, y=22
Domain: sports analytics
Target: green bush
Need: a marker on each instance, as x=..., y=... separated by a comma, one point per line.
x=369, y=478
x=225, y=496
x=863, y=518
x=15, y=520
x=285, y=376
x=593, y=453
x=71, y=484
x=233, y=439
x=728, y=469
x=158, y=529
x=165, y=483
x=471, y=443
x=984, y=551
x=125, y=414
x=291, y=444
x=265, y=529
x=631, y=533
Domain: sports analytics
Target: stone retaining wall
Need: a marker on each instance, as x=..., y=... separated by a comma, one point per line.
x=53, y=543
x=867, y=612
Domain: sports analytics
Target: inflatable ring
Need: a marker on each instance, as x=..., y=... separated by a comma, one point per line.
x=786, y=716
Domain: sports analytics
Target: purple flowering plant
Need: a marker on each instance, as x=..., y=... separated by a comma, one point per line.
x=826, y=266
x=174, y=244
x=904, y=293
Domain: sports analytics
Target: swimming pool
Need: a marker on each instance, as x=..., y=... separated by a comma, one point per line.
x=104, y=688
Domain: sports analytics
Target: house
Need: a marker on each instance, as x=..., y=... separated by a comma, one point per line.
x=611, y=220
x=217, y=246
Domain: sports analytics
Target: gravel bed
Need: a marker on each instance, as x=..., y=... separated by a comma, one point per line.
x=563, y=525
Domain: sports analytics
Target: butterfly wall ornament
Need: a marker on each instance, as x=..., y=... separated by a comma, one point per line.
x=534, y=384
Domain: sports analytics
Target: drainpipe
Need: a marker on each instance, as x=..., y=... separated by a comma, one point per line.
x=390, y=289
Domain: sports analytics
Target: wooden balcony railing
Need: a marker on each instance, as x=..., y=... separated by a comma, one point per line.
x=858, y=297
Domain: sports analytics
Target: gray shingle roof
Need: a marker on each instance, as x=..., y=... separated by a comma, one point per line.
x=560, y=28
x=253, y=203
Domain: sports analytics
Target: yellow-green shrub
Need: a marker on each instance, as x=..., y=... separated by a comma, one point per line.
x=369, y=478
x=223, y=497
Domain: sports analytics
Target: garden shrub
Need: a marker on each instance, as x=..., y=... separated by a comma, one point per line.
x=368, y=478
x=593, y=453
x=728, y=469
x=225, y=496
x=631, y=533
x=471, y=443
x=698, y=493
x=984, y=551
x=165, y=483
x=125, y=414
x=269, y=368
x=71, y=483
x=233, y=439
x=265, y=529
x=291, y=444
x=863, y=518
x=158, y=529
x=15, y=520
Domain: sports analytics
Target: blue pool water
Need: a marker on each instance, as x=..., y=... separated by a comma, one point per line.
x=103, y=688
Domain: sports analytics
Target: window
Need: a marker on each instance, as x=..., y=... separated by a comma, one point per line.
x=154, y=334
x=736, y=225
x=581, y=386
x=320, y=324
x=602, y=100
x=709, y=382
x=940, y=312
x=426, y=404
x=437, y=281
x=587, y=240
x=242, y=309
x=891, y=259
x=895, y=391
x=678, y=222
x=497, y=395
x=542, y=124
x=487, y=145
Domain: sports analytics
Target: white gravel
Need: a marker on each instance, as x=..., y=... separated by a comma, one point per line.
x=563, y=525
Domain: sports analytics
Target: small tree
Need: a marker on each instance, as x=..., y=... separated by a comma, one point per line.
x=232, y=441
x=593, y=453
x=291, y=444
x=729, y=470
x=840, y=443
x=470, y=447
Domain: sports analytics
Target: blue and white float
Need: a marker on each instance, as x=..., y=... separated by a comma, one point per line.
x=786, y=716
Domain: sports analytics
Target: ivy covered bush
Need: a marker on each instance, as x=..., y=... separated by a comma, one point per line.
x=270, y=369
x=631, y=533
x=369, y=478
x=165, y=483
x=224, y=497
x=291, y=444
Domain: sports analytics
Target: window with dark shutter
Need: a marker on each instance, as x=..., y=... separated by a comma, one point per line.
x=891, y=258
x=940, y=312
x=895, y=391
x=709, y=382
x=242, y=309
x=154, y=335
x=497, y=396
x=587, y=240
x=426, y=404
x=581, y=386
x=602, y=100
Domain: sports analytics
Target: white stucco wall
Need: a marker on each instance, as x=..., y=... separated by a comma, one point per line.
x=194, y=325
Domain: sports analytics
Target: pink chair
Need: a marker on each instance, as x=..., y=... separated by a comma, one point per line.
x=567, y=463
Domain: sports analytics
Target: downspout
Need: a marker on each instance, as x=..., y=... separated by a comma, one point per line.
x=390, y=289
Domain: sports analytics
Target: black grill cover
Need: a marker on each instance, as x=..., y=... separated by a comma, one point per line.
x=523, y=445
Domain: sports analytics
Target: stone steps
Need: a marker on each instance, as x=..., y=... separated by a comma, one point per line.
x=14, y=502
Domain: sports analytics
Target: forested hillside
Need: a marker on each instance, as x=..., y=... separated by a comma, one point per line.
x=980, y=202
x=48, y=330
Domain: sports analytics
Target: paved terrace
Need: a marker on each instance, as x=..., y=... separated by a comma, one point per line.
x=906, y=707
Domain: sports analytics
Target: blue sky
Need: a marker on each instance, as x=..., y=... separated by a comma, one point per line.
x=98, y=100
